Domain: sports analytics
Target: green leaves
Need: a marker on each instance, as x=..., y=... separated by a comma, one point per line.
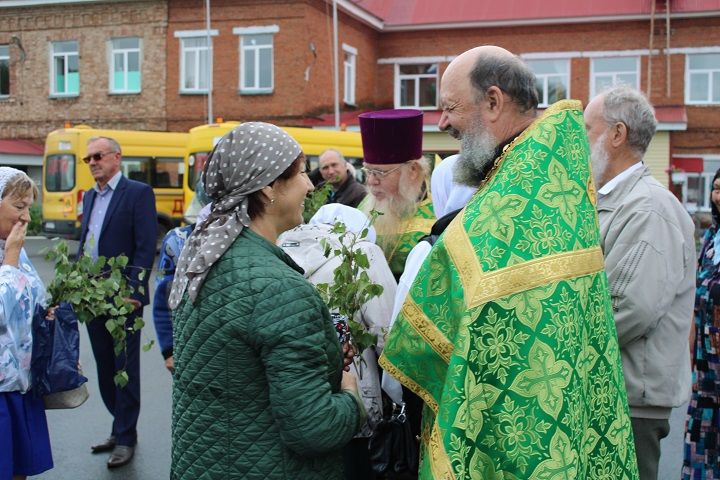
x=97, y=288
x=121, y=378
x=351, y=287
x=315, y=200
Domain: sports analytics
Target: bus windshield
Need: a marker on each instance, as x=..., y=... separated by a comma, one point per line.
x=196, y=161
x=60, y=172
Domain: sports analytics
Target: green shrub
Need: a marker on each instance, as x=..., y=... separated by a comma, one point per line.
x=35, y=219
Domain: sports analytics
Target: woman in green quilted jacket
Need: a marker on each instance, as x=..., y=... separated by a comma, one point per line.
x=259, y=390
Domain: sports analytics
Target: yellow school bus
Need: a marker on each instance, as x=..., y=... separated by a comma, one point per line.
x=155, y=158
x=313, y=142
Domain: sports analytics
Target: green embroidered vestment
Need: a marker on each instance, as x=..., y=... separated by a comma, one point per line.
x=507, y=332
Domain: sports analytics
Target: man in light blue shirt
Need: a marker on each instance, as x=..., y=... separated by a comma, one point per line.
x=119, y=219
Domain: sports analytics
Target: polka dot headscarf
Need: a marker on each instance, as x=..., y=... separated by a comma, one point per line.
x=247, y=159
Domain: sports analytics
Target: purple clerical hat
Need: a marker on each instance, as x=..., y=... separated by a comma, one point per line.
x=391, y=136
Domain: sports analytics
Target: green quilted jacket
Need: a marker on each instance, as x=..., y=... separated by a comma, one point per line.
x=256, y=393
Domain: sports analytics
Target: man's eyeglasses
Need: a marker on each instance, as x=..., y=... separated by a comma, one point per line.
x=95, y=156
x=379, y=173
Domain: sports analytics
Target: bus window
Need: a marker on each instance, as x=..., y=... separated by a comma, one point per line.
x=60, y=173
x=312, y=162
x=136, y=168
x=196, y=162
x=167, y=172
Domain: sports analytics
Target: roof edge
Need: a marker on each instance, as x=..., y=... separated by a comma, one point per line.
x=541, y=21
x=360, y=14
x=37, y=3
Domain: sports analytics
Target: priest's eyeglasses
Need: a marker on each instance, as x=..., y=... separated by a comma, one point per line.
x=380, y=174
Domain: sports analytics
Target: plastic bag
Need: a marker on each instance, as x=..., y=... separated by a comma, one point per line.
x=56, y=352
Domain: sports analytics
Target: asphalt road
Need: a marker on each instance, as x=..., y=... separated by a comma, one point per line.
x=73, y=431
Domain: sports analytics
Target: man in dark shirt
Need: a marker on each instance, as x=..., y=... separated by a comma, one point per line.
x=334, y=170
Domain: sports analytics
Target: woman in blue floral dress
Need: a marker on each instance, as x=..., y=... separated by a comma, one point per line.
x=24, y=439
x=702, y=431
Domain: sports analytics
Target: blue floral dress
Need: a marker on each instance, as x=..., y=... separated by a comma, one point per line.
x=24, y=438
x=702, y=431
x=21, y=290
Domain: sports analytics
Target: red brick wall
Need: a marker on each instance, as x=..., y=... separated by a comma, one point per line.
x=30, y=113
x=703, y=122
x=301, y=23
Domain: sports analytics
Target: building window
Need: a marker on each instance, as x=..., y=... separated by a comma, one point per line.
x=4, y=70
x=702, y=81
x=64, y=69
x=194, y=65
x=607, y=72
x=349, y=57
x=256, y=58
x=195, y=60
x=416, y=86
x=696, y=189
x=125, y=65
x=553, y=80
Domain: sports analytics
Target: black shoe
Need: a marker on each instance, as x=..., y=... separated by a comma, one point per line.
x=121, y=455
x=105, y=446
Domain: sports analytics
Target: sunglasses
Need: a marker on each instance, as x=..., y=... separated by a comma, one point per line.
x=95, y=156
x=379, y=173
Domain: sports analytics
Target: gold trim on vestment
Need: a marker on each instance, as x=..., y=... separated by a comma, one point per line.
x=534, y=273
x=481, y=287
x=426, y=329
x=462, y=253
x=439, y=462
x=422, y=225
x=409, y=383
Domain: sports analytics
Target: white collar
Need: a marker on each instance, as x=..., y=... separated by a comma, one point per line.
x=113, y=183
x=609, y=186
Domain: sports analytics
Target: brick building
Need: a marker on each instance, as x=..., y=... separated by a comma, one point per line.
x=273, y=60
x=58, y=58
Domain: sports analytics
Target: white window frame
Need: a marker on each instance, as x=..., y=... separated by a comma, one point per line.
x=704, y=178
x=6, y=58
x=399, y=77
x=543, y=102
x=710, y=72
x=614, y=74
x=112, y=51
x=53, y=76
x=183, y=35
x=349, y=74
x=254, y=89
x=682, y=178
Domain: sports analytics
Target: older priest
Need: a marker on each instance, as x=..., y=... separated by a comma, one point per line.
x=507, y=333
x=397, y=178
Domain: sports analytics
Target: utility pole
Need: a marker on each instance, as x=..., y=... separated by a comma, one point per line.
x=336, y=76
x=210, y=63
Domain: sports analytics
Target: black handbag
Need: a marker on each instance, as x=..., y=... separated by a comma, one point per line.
x=392, y=445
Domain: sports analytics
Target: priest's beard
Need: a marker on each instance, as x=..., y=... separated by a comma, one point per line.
x=395, y=210
x=477, y=153
x=599, y=160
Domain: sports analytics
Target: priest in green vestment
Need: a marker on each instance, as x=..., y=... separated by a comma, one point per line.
x=396, y=175
x=507, y=333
